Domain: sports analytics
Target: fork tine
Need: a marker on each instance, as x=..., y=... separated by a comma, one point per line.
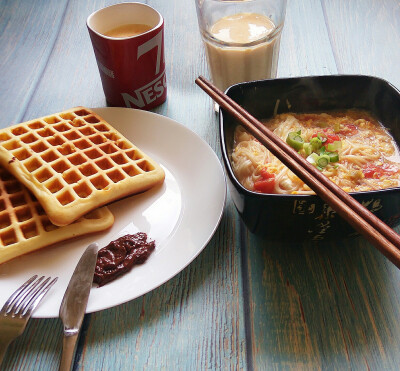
x=16, y=312
x=24, y=302
x=7, y=305
x=25, y=295
x=36, y=299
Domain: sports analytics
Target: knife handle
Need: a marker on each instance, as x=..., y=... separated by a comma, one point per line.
x=69, y=343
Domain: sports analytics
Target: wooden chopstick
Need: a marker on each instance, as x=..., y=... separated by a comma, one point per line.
x=385, y=239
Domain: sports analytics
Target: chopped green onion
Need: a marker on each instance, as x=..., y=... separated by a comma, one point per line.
x=312, y=159
x=316, y=143
x=323, y=161
x=295, y=140
x=307, y=148
x=333, y=156
x=336, y=145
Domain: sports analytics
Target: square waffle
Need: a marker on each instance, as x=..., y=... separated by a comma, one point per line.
x=74, y=161
x=24, y=226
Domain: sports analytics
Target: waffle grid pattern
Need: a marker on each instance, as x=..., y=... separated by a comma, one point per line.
x=74, y=155
x=24, y=226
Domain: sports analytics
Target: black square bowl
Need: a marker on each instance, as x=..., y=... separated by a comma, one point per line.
x=307, y=217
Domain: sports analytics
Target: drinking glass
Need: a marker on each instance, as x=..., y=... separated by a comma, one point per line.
x=241, y=38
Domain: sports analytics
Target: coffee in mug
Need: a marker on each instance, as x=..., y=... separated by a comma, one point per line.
x=128, y=30
x=128, y=42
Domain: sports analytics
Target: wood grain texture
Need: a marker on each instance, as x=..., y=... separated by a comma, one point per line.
x=195, y=321
x=22, y=24
x=305, y=46
x=184, y=325
x=364, y=37
x=333, y=306
x=245, y=302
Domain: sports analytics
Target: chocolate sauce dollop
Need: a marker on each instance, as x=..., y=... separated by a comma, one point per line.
x=119, y=256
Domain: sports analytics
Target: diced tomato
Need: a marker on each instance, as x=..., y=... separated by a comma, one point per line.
x=265, y=185
x=329, y=138
x=375, y=172
x=266, y=174
x=372, y=172
x=267, y=182
x=349, y=130
x=332, y=138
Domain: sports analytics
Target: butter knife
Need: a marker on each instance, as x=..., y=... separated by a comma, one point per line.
x=73, y=305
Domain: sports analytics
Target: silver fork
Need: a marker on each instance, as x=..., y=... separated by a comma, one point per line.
x=18, y=309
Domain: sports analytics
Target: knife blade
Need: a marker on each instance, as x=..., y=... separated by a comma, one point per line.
x=73, y=305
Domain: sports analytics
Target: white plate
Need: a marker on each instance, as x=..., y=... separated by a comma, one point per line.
x=181, y=216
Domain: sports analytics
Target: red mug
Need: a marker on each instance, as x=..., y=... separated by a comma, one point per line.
x=132, y=68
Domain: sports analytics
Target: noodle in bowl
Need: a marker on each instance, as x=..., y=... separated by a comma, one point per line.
x=356, y=122
x=367, y=156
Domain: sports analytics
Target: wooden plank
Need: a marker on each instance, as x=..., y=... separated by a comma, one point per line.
x=305, y=46
x=195, y=321
x=279, y=336
x=375, y=33
x=22, y=24
x=291, y=307
x=187, y=324
x=37, y=348
x=333, y=306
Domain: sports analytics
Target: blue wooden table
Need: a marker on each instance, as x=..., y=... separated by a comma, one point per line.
x=245, y=302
